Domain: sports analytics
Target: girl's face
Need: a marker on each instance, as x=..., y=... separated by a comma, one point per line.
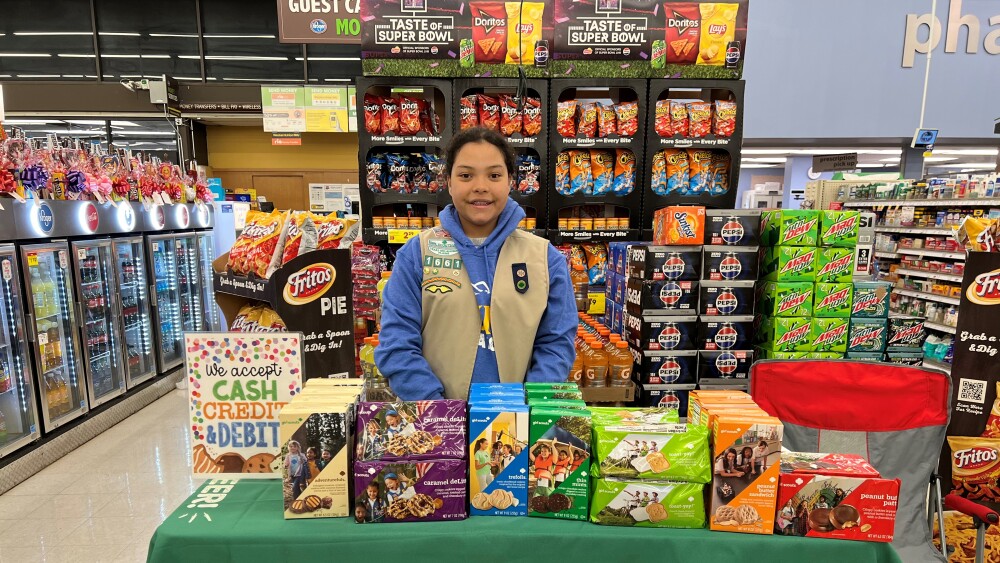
x=392, y=420
x=546, y=452
x=293, y=448
x=479, y=185
x=483, y=446
x=391, y=483
x=577, y=455
x=563, y=455
x=730, y=456
x=372, y=428
x=372, y=492
x=326, y=455
x=311, y=455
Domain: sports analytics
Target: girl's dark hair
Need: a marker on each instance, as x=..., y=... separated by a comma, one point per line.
x=479, y=135
x=480, y=442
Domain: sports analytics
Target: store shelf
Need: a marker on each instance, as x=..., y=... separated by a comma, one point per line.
x=922, y=202
x=930, y=275
x=886, y=254
x=931, y=253
x=710, y=142
x=928, y=296
x=563, y=236
x=914, y=230
x=939, y=327
x=242, y=286
x=928, y=363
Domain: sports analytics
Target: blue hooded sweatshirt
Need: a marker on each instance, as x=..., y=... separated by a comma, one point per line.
x=399, y=354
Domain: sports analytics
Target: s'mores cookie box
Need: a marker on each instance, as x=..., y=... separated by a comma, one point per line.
x=411, y=430
x=647, y=504
x=747, y=450
x=498, y=460
x=676, y=452
x=416, y=491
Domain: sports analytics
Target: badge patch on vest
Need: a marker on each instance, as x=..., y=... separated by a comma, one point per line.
x=520, y=272
x=442, y=246
x=442, y=263
x=441, y=285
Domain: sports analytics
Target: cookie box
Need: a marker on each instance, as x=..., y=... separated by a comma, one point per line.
x=835, y=506
x=745, y=468
x=648, y=504
x=653, y=451
x=315, y=460
x=634, y=416
x=498, y=461
x=559, y=463
x=419, y=491
x=845, y=465
x=411, y=430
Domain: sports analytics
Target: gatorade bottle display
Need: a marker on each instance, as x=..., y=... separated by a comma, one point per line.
x=620, y=366
x=365, y=355
x=596, y=366
x=580, y=280
x=576, y=370
x=380, y=286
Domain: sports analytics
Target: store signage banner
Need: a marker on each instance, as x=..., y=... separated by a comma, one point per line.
x=319, y=21
x=237, y=384
x=312, y=109
x=644, y=39
x=835, y=162
x=453, y=38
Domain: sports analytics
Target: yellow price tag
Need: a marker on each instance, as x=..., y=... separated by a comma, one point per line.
x=399, y=236
x=32, y=260
x=596, y=304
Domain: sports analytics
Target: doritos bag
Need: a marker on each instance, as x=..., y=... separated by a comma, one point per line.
x=602, y=168
x=699, y=119
x=489, y=31
x=396, y=177
x=524, y=29
x=683, y=31
x=628, y=118
x=663, y=123
x=720, y=173
x=587, y=126
x=718, y=28
x=489, y=112
x=390, y=116
x=624, y=172
x=435, y=172
x=468, y=112
x=510, y=116
x=658, y=174
x=416, y=171
x=678, y=171
x=566, y=118
x=375, y=173
x=597, y=261
x=528, y=168
x=562, y=174
x=607, y=122
x=679, y=118
x=409, y=116
x=532, y=116
x=724, y=118
x=580, y=180
x=700, y=170
x=373, y=114
x=429, y=123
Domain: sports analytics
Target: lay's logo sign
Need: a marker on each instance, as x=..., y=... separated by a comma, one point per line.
x=309, y=283
x=985, y=290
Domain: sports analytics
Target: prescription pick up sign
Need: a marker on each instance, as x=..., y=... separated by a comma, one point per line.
x=237, y=384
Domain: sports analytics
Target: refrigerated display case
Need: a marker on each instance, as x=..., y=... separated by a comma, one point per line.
x=53, y=329
x=133, y=304
x=166, y=301
x=206, y=253
x=189, y=282
x=18, y=415
x=97, y=305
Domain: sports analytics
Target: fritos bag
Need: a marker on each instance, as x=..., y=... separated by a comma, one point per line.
x=580, y=179
x=701, y=172
x=720, y=173
x=602, y=168
x=524, y=29
x=597, y=261
x=678, y=118
x=375, y=173
x=409, y=116
x=373, y=114
x=330, y=230
x=972, y=475
x=390, y=116
x=510, y=116
x=699, y=119
x=724, y=118
x=263, y=239
x=489, y=112
x=607, y=122
x=532, y=116
x=678, y=171
x=247, y=320
x=563, y=186
x=240, y=254
x=528, y=168
x=566, y=118
x=489, y=31
x=663, y=124
x=270, y=321
x=658, y=173
x=624, y=172
x=468, y=112
x=237, y=254
x=628, y=118
x=718, y=28
x=588, y=121
x=300, y=223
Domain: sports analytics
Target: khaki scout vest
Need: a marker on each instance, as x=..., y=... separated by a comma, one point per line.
x=451, y=318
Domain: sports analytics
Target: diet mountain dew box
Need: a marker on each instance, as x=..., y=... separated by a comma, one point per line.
x=558, y=468
x=833, y=300
x=834, y=265
x=829, y=334
x=676, y=452
x=505, y=492
x=785, y=334
x=867, y=336
x=839, y=228
x=648, y=504
x=789, y=263
x=789, y=227
x=785, y=299
x=871, y=300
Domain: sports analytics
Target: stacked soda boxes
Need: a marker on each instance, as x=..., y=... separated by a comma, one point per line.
x=869, y=332
x=411, y=461
x=649, y=471
x=689, y=307
x=614, y=288
x=316, y=430
x=806, y=296
x=746, y=456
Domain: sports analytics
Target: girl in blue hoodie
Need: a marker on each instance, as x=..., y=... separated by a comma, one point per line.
x=445, y=265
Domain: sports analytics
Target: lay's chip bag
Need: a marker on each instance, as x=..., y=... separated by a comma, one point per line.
x=718, y=28
x=700, y=171
x=524, y=29
x=624, y=172
x=678, y=171
x=580, y=179
x=602, y=168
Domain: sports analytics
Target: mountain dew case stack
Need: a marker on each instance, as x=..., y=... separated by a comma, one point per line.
x=834, y=265
x=785, y=299
x=833, y=300
x=785, y=334
x=839, y=229
x=787, y=227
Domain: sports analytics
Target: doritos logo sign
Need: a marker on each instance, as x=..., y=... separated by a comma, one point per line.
x=985, y=290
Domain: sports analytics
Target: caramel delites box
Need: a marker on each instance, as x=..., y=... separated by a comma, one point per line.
x=315, y=456
x=746, y=465
x=411, y=430
x=498, y=460
x=559, y=463
x=416, y=491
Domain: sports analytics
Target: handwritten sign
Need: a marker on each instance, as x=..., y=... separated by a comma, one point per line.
x=237, y=384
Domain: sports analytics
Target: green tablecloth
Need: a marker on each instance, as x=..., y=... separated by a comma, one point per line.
x=248, y=526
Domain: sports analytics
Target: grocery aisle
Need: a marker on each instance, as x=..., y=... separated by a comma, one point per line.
x=103, y=501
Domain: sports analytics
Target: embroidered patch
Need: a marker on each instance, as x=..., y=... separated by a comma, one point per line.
x=442, y=246
x=438, y=288
x=443, y=263
x=440, y=280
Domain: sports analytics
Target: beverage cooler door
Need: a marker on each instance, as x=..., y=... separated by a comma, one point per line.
x=189, y=283
x=206, y=250
x=18, y=415
x=97, y=289
x=133, y=304
x=52, y=328
x=166, y=301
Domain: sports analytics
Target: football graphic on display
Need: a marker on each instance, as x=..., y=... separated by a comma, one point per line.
x=670, y=337
x=726, y=363
x=726, y=302
x=730, y=268
x=670, y=370
x=726, y=337
x=732, y=231
x=674, y=266
x=670, y=294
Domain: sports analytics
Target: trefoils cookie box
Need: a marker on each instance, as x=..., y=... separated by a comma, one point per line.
x=410, y=491
x=411, y=430
x=661, y=297
x=498, y=483
x=733, y=227
x=730, y=263
x=725, y=333
x=559, y=454
x=661, y=333
x=724, y=365
x=664, y=262
x=727, y=298
x=647, y=504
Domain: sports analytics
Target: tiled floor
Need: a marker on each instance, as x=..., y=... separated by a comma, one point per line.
x=103, y=501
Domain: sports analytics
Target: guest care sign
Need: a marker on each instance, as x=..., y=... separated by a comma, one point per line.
x=237, y=384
